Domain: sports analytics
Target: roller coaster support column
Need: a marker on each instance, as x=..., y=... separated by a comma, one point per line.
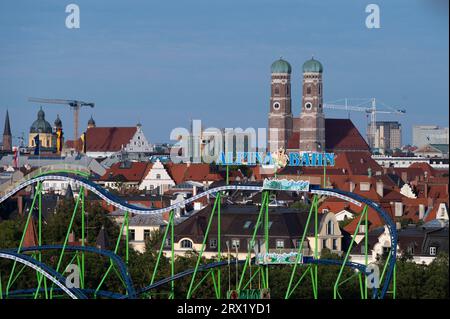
x=336, y=284
x=394, y=275
x=66, y=240
x=172, y=257
x=111, y=264
x=314, y=277
x=191, y=285
x=366, y=248
x=38, y=190
x=266, y=240
x=219, y=256
x=264, y=203
x=40, y=277
x=289, y=291
x=163, y=243
x=83, y=240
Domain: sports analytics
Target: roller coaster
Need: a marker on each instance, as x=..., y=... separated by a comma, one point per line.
x=21, y=255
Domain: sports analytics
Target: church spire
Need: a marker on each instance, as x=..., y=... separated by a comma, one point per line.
x=7, y=130
x=7, y=136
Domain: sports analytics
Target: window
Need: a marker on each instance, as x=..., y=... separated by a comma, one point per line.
x=362, y=228
x=335, y=244
x=186, y=243
x=235, y=243
x=287, y=89
x=320, y=88
x=433, y=251
x=131, y=234
x=270, y=225
x=364, y=187
x=330, y=227
x=277, y=90
x=213, y=243
x=410, y=249
x=308, y=90
x=324, y=243
x=279, y=244
x=247, y=224
x=158, y=176
x=146, y=234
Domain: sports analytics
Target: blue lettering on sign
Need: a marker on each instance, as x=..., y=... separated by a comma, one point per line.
x=329, y=157
x=305, y=160
x=310, y=159
x=294, y=159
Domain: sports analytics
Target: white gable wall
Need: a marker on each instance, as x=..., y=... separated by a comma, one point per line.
x=157, y=177
x=139, y=142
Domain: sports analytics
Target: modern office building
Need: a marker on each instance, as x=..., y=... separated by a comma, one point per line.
x=388, y=136
x=429, y=134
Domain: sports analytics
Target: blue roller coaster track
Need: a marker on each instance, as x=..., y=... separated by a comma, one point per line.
x=120, y=204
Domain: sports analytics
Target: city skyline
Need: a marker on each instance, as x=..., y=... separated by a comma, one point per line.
x=164, y=75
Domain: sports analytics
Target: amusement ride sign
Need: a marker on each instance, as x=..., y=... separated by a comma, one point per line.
x=279, y=159
x=278, y=259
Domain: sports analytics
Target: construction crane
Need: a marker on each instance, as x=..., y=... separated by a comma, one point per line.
x=369, y=106
x=75, y=105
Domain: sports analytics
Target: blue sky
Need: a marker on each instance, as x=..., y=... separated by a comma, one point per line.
x=165, y=62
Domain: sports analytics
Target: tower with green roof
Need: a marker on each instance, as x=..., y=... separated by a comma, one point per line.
x=312, y=119
x=280, y=110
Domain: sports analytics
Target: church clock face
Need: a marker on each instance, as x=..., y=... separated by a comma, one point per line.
x=276, y=106
x=308, y=105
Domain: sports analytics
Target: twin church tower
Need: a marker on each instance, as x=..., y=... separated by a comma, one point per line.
x=310, y=126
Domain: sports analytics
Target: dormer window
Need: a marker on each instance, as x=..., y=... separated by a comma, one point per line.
x=433, y=251
x=330, y=227
x=186, y=243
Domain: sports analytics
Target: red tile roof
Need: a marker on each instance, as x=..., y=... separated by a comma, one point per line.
x=133, y=172
x=372, y=217
x=108, y=139
x=340, y=135
x=425, y=167
x=192, y=172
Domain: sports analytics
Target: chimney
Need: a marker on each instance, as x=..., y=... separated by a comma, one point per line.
x=71, y=237
x=405, y=177
x=352, y=186
x=398, y=209
x=380, y=188
x=421, y=211
x=20, y=205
